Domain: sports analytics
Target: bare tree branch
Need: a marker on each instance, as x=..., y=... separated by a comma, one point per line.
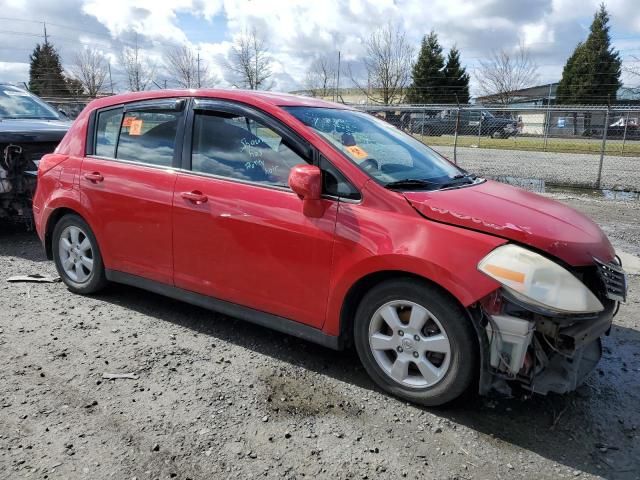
x=505, y=73
x=321, y=76
x=250, y=62
x=139, y=71
x=634, y=71
x=388, y=61
x=187, y=68
x=90, y=68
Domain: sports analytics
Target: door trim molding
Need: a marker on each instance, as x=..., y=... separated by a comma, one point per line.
x=241, y=312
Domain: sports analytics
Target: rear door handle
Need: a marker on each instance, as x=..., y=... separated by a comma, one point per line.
x=195, y=196
x=94, y=177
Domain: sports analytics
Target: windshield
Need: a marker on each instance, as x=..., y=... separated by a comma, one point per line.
x=17, y=103
x=390, y=156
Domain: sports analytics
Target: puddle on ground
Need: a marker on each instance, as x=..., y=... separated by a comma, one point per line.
x=538, y=185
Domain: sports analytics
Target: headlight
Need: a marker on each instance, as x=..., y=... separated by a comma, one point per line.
x=536, y=280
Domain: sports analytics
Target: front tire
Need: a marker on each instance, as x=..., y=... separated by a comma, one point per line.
x=416, y=342
x=77, y=256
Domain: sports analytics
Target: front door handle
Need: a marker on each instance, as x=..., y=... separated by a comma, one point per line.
x=195, y=196
x=94, y=177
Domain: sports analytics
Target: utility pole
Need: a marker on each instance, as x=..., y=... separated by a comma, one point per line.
x=110, y=79
x=46, y=38
x=199, y=86
x=137, y=65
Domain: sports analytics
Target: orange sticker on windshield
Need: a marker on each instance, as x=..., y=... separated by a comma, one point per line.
x=127, y=121
x=135, y=128
x=357, y=152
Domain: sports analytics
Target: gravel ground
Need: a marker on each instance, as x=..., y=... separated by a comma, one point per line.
x=573, y=169
x=218, y=398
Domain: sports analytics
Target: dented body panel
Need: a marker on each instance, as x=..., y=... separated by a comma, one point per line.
x=520, y=216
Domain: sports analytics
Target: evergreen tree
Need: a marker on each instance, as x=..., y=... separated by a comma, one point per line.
x=428, y=78
x=456, y=78
x=45, y=72
x=592, y=73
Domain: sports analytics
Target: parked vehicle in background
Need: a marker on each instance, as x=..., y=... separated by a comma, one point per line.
x=471, y=122
x=623, y=128
x=329, y=224
x=29, y=128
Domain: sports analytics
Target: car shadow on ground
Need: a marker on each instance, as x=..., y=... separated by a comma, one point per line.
x=593, y=429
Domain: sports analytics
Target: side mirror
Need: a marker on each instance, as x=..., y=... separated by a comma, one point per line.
x=306, y=182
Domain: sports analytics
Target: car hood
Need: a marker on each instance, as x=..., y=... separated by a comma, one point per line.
x=32, y=130
x=520, y=216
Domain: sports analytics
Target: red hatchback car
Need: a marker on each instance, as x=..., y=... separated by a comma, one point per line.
x=327, y=223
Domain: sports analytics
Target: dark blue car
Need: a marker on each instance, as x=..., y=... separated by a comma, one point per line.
x=29, y=129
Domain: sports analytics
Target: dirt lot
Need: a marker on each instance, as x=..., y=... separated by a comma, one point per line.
x=218, y=398
x=571, y=169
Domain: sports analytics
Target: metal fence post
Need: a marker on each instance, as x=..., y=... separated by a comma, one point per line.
x=424, y=116
x=455, y=137
x=546, y=128
x=624, y=137
x=479, y=128
x=602, y=148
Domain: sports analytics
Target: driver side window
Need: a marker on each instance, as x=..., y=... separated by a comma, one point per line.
x=242, y=148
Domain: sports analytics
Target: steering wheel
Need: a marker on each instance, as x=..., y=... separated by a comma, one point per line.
x=370, y=165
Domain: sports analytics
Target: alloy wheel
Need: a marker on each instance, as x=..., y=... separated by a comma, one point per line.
x=76, y=254
x=409, y=344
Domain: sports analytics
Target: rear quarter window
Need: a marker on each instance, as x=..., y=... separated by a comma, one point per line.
x=107, y=132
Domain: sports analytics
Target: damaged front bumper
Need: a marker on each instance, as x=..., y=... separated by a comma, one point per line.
x=18, y=176
x=541, y=352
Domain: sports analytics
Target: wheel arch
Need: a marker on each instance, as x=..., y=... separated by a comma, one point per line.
x=53, y=219
x=361, y=286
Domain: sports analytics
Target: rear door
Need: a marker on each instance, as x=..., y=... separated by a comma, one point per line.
x=239, y=231
x=127, y=184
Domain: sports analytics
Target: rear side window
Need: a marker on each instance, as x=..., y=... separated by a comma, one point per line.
x=149, y=137
x=107, y=132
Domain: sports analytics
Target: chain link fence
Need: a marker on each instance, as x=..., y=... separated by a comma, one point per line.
x=574, y=146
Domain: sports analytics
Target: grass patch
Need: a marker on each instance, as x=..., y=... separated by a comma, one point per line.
x=537, y=144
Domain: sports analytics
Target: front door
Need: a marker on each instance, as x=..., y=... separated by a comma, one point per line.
x=129, y=179
x=239, y=231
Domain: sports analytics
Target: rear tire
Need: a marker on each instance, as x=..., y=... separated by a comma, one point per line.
x=416, y=342
x=77, y=256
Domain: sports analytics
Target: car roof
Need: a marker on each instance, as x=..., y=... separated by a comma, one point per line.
x=251, y=97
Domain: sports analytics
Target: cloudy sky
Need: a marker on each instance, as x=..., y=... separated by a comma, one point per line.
x=298, y=30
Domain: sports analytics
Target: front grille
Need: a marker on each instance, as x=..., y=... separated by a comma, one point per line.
x=614, y=280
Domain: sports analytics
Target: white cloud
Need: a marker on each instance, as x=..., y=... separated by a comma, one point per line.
x=298, y=30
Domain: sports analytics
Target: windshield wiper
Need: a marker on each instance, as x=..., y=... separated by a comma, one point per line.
x=460, y=179
x=412, y=183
